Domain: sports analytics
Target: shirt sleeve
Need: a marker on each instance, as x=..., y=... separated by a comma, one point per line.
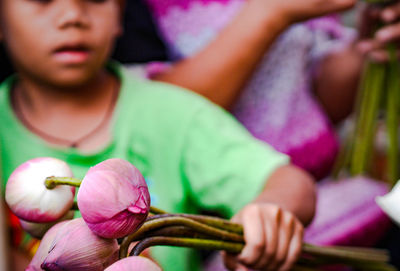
x=224, y=166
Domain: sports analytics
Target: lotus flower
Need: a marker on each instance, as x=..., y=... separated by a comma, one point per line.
x=134, y=263
x=44, y=248
x=76, y=247
x=390, y=203
x=38, y=230
x=114, y=199
x=29, y=198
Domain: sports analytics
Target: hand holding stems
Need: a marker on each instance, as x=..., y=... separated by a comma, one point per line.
x=273, y=239
x=375, y=46
x=379, y=35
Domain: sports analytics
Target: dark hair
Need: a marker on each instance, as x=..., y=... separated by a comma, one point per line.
x=5, y=64
x=141, y=41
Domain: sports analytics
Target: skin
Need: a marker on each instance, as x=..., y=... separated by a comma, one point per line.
x=235, y=53
x=337, y=80
x=62, y=80
x=58, y=94
x=273, y=223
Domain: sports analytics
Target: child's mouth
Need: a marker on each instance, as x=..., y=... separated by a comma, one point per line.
x=72, y=54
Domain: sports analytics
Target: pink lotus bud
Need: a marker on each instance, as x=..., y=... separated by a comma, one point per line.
x=76, y=248
x=114, y=199
x=44, y=248
x=38, y=230
x=28, y=197
x=134, y=263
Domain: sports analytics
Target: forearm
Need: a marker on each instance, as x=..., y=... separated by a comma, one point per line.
x=293, y=190
x=336, y=82
x=220, y=70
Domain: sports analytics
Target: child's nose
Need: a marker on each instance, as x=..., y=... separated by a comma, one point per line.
x=72, y=13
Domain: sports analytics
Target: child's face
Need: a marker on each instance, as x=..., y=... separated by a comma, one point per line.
x=59, y=42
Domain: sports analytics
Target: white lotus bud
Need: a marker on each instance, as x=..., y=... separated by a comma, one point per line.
x=390, y=203
x=28, y=197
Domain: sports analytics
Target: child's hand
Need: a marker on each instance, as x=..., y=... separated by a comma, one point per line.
x=375, y=47
x=273, y=239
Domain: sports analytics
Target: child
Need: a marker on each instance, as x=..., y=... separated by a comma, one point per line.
x=67, y=102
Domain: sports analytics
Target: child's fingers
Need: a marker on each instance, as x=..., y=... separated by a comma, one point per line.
x=272, y=216
x=379, y=56
x=286, y=231
x=388, y=33
x=391, y=13
x=366, y=46
x=295, y=247
x=254, y=235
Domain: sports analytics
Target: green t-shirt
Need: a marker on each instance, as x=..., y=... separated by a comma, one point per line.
x=193, y=154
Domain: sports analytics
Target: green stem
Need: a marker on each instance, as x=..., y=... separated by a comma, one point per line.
x=368, y=116
x=344, y=158
x=177, y=221
x=230, y=247
x=392, y=116
x=52, y=182
x=175, y=231
x=157, y=211
x=361, y=109
x=236, y=248
x=331, y=254
x=216, y=222
x=343, y=254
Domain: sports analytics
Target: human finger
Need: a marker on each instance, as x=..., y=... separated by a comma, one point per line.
x=379, y=56
x=388, y=33
x=369, y=17
x=366, y=46
x=254, y=235
x=295, y=247
x=286, y=230
x=272, y=216
x=390, y=13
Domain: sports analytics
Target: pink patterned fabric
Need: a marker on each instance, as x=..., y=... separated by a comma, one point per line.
x=347, y=213
x=277, y=104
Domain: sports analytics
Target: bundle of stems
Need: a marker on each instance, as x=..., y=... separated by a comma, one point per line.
x=211, y=233
x=378, y=99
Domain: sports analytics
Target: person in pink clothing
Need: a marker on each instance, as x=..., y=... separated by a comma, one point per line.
x=287, y=78
x=276, y=102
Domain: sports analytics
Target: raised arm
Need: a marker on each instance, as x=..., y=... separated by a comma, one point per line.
x=219, y=71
